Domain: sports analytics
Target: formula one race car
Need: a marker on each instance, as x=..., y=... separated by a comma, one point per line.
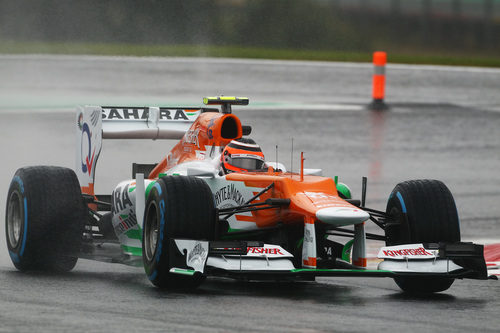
x=215, y=207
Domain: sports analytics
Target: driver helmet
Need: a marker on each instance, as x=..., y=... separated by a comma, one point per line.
x=242, y=155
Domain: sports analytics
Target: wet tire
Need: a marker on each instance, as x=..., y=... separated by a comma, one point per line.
x=44, y=219
x=177, y=207
x=424, y=212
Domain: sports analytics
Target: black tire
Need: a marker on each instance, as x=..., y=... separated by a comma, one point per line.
x=424, y=212
x=44, y=219
x=177, y=207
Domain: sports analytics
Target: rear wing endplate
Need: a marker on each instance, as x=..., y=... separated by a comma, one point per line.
x=94, y=123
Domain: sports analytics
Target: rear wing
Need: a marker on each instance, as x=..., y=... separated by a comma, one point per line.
x=147, y=122
x=94, y=123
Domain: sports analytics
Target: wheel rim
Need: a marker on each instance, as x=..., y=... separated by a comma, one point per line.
x=14, y=219
x=151, y=229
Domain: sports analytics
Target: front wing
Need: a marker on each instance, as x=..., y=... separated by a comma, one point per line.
x=258, y=261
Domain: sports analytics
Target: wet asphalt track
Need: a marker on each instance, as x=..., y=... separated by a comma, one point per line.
x=443, y=124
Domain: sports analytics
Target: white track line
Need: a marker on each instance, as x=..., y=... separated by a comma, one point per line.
x=245, y=61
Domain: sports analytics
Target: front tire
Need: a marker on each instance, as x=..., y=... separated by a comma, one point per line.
x=177, y=207
x=44, y=219
x=424, y=212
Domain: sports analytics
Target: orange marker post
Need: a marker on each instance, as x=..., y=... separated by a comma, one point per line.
x=302, y=166
x=378, y=92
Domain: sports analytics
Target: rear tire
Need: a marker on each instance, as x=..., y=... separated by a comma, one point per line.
x=44, y=219
x=177, y=207
x=425, y=212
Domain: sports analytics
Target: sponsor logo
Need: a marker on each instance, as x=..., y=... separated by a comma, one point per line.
x=87, y=159
x=319, y=195
x=407, y=252
x=210, y=131
x=324, y=200
x=307, y=236
x=120, y=199
x=191, y=137
x=142, y=114
x=197, y=255
x=263, y=250
x=126, y=222
x=229, y=192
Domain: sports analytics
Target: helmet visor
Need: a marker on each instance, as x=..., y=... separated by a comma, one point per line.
x=247, y=163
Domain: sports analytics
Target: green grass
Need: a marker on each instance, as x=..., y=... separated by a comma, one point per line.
x=11, y=47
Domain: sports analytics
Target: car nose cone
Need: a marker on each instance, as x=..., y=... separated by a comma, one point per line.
x=341, y=216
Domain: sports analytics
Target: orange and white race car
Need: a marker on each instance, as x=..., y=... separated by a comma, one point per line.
x=213, y=206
